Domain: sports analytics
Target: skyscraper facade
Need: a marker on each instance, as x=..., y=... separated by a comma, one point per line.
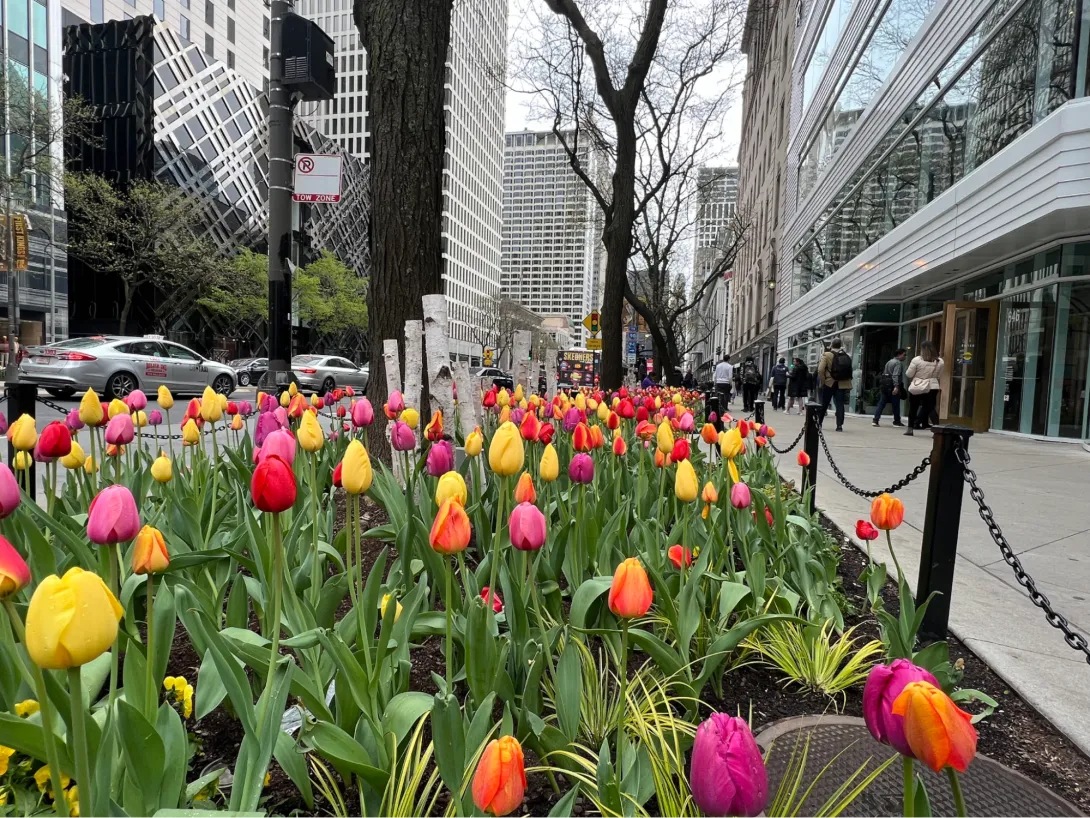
x=552, y=227
x=716, y=209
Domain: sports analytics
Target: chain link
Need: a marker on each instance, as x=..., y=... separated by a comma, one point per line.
x=54, y=406
x=152, y=435
x=795, y=443
x=900, y=484
x=1073, y=638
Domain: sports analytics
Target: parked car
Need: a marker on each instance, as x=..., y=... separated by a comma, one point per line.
x=249, y=370
x=115, y=365
x=490, y=376
x=323, y=373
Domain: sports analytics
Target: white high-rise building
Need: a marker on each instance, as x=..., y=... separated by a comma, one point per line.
x=235, y=32
x=552, y=227
x=717, y=202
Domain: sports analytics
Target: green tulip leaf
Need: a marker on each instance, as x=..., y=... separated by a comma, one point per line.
x=403, y=711
x=143, y=751
x=585, y=597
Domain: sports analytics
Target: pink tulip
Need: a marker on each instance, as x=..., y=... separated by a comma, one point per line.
x=440, y=458
x=120, y=431
x=155, y=417
x=727, y=773
x=266, y=425
x=740, y=496
x=137, y=400
x=396, y=403
x=280, y=443
x=9, y=491
x=269, y=404
x=572, y=418
x=687, y=422
x=581, y=469
x=884, y=685
x=72, y=421
x=402, y=437
x=280, y=415
x=245, y=408
x=527, y=525
x=363, y=414
x=112, y=517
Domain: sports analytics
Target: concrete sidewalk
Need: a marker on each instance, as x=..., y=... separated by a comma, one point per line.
x=1040, y=494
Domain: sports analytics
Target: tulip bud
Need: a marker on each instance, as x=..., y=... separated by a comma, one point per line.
x=506, y=454
x=679, y=555
x=665, y=438
x=495, y=600
x=164, y=398
x=402, y=438
x=385, y=603
x=356, y=472
x=149, y=552
x=803, y=459
x=450, y=531
x=709, y=494
x=499, y=783
x=681, y=450
x=161, y=469
x=630, y=594
x=112, y=516
x=75, y=457
x=9, y=491
x=865, y=531
x=549, y=467
x=119, y=431
x=363, y=414
x=727, y=773
x=581, y=468
x=740, y=496
x=14, y=572
x=686, y=484
x=90, y=408
x=191, y=435
x=524, y=489
x=396, y=402
x=451, y=486
x=474, y=442
x=527, y=525
x=117, y=407
x=620, y=448
x=273, y=485
x=237, y=424
x=410, y=417
x=310, y=434
x=22, y=434
x=71, y=620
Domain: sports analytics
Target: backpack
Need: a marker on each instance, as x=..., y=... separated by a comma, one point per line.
x=750, y=374
x=841, y=367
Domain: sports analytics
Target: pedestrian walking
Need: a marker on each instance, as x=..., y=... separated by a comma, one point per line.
x=724, y=374
x=891, y=386
x=751, y=384
x=924, y=381
x=778, y=384
x=798, y=385
x=834, y=377
x=688, y=381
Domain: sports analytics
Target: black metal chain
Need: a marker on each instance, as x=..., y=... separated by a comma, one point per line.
x=151, y=436
x=1073, y=638
x=795, y=443
x=54, y=406
x=900, y=484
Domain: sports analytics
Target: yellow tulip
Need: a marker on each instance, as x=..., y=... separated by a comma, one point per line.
x=5, y=754
x=523, y=404
x=451, y=484
x=503, y=398
x=285, y=398
x=505, y=415
x=293, y=390
x=90, y=408
x=733, y=470
x=686, y=486
x=149, y=553
x=211, y=411
x=658, y=402
x=356, y=473
x=518, y=396
x=42, y=779
x=664, y=438
x=386, y=601
x=164, y=398
x=222, y=398
x=603, y=412
x=549, y=467
x=731, y=444
x=592, y=405
x=71, y=620
x=74, y=459
x=23, y=434
x=161, y=469
x=236, y=423
x=410, y=417
x=616, y=402
x=25, y=708
x=23, y=461
x=140, y=419
x=117, y=407
x=191, y=435
x=581, y=402
x=506, y=453
x=474, y=442
x=89, y=465
x=310, y=433
x=677, y=399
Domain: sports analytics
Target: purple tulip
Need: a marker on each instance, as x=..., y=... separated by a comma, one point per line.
x=440, y=458
x=363, y=414
x=402, y=437
x=245, y=408
x=112, y=517
x=9, y=491
x=266, y=425
x=517, y=414
x=740, y=496
x=136, y=400
x=281, y=443
x=328, y=400
x=120, y=431
x=72, y=421
x=763, y=431
x=572, y=418
x=727, y=775
x=581, y=469
x=155, y=417
x=4, y=423
x=527, y=526
x=884, y=685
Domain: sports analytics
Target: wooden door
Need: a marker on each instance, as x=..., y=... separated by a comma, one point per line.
x=968, y=351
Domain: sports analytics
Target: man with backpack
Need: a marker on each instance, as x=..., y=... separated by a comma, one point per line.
x=891, y=387
x=834, y=380
x=778, y=384
x=751, y=384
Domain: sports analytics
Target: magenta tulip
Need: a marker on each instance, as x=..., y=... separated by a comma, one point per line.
x=136, y=400
x=120, y=431
x=363, y=414
x=112, y=517
x=884, y=685
x=3, y=424
x=396, y=403
x=9, y=491
x=72, y=421
x=266, y=425
x=517, y=414
x=581, y=469
x=740, y=496
x=712, y=417
x=268, y=404
x=280, y=443
x=329, y=400
x=245, y=408
x=402, y=437
x=155, y=417
x=572, y=418
x=727, y=775
x=527, y=525
x=440, y=458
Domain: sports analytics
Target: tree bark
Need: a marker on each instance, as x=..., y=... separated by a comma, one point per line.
x=126, y=307
x=406, y=46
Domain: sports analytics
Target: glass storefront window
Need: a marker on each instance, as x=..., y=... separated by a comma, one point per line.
x=19, y=18
x=41, y=25
x=1027, y=326
x=837, y=18
x=1068, y=412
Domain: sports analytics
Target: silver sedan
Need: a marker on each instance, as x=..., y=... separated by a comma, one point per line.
x=324, y=373
x=115, y=365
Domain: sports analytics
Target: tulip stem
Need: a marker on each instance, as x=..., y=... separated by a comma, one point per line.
x=115, y=589
x=79, y=742
x=909, y=787
x=152, y=699
x=622, y=675
x=955, y=788
x=357, y=537
x=215, y=481
x=49, y=738
x=170, y=438
x=496, y=541
x=892, y=553
x=315, y=579
x=545, y=647
x=449, y=605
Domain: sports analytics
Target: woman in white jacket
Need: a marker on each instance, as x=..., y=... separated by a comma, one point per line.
x=924, y=379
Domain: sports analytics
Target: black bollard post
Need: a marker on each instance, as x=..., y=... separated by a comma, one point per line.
x=758, y=411
x=810, y=446
x=940, y=529
x=21, y=401
x=711, y=406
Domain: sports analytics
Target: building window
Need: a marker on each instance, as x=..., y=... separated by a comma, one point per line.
x=231, y=4
x=230, y=29
x=265, y=57
x=209, y=13
x=160, y=8
x=97, y=14
x=230, y=59
x=209, y=46
x=265, y=28
x=183, y=27
x=131, y=3
x=183, y=3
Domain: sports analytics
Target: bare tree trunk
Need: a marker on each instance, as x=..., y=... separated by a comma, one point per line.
x=126, y=306
x=440, y=376
x=617, y=238
x=414, y=362
x=406, y=46
x=392, y=372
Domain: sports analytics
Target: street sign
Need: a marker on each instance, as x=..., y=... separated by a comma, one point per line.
x=631, y=348
x=592, y=323
x=594, y=343
x=317, y=178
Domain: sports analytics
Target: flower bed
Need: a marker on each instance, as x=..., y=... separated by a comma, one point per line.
x=449, y=638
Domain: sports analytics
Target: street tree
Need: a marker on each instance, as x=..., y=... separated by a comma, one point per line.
x=407, y=45
x=332, y=300
x=500, y=317
x=237, y=297
x=622, y=76
x=144, y=233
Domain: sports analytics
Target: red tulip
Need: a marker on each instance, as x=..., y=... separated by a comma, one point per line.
x=865, y=531
x=743, y=428
x=489, y=398
x=337, y=476
x=530, y=427
x=14, y=572
x=495, y=599
x=678, y=554
x=803, y=459
x=620, y=448
x=232, y=407
x=273, y=485
x=545, y=433
x=55, y=440
x=680, y=451
x=642, y=414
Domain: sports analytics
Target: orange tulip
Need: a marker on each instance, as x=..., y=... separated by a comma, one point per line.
x=581, y=439
x=620, y=448
x=450, y=532
x=661, y=460
x=630, y=594
x=708, y=434
x=500, y=781
x=149, y=553
x=524, y=491
x=938, y=732
x=433, y=431
x=597, y=437
x=887, y=512
x=709, y=494
x=803, y=459
x=645, y=430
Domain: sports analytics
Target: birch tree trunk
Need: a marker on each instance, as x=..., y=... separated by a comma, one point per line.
x=414, y=362
x=393, y=384
x=440, y=378
x=468, y=399
x=521, y=355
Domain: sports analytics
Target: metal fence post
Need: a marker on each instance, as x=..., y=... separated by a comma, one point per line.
x=21, y=400
x=940, y=529
x=711, y=406
x=810, y=446
x=759, y=411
